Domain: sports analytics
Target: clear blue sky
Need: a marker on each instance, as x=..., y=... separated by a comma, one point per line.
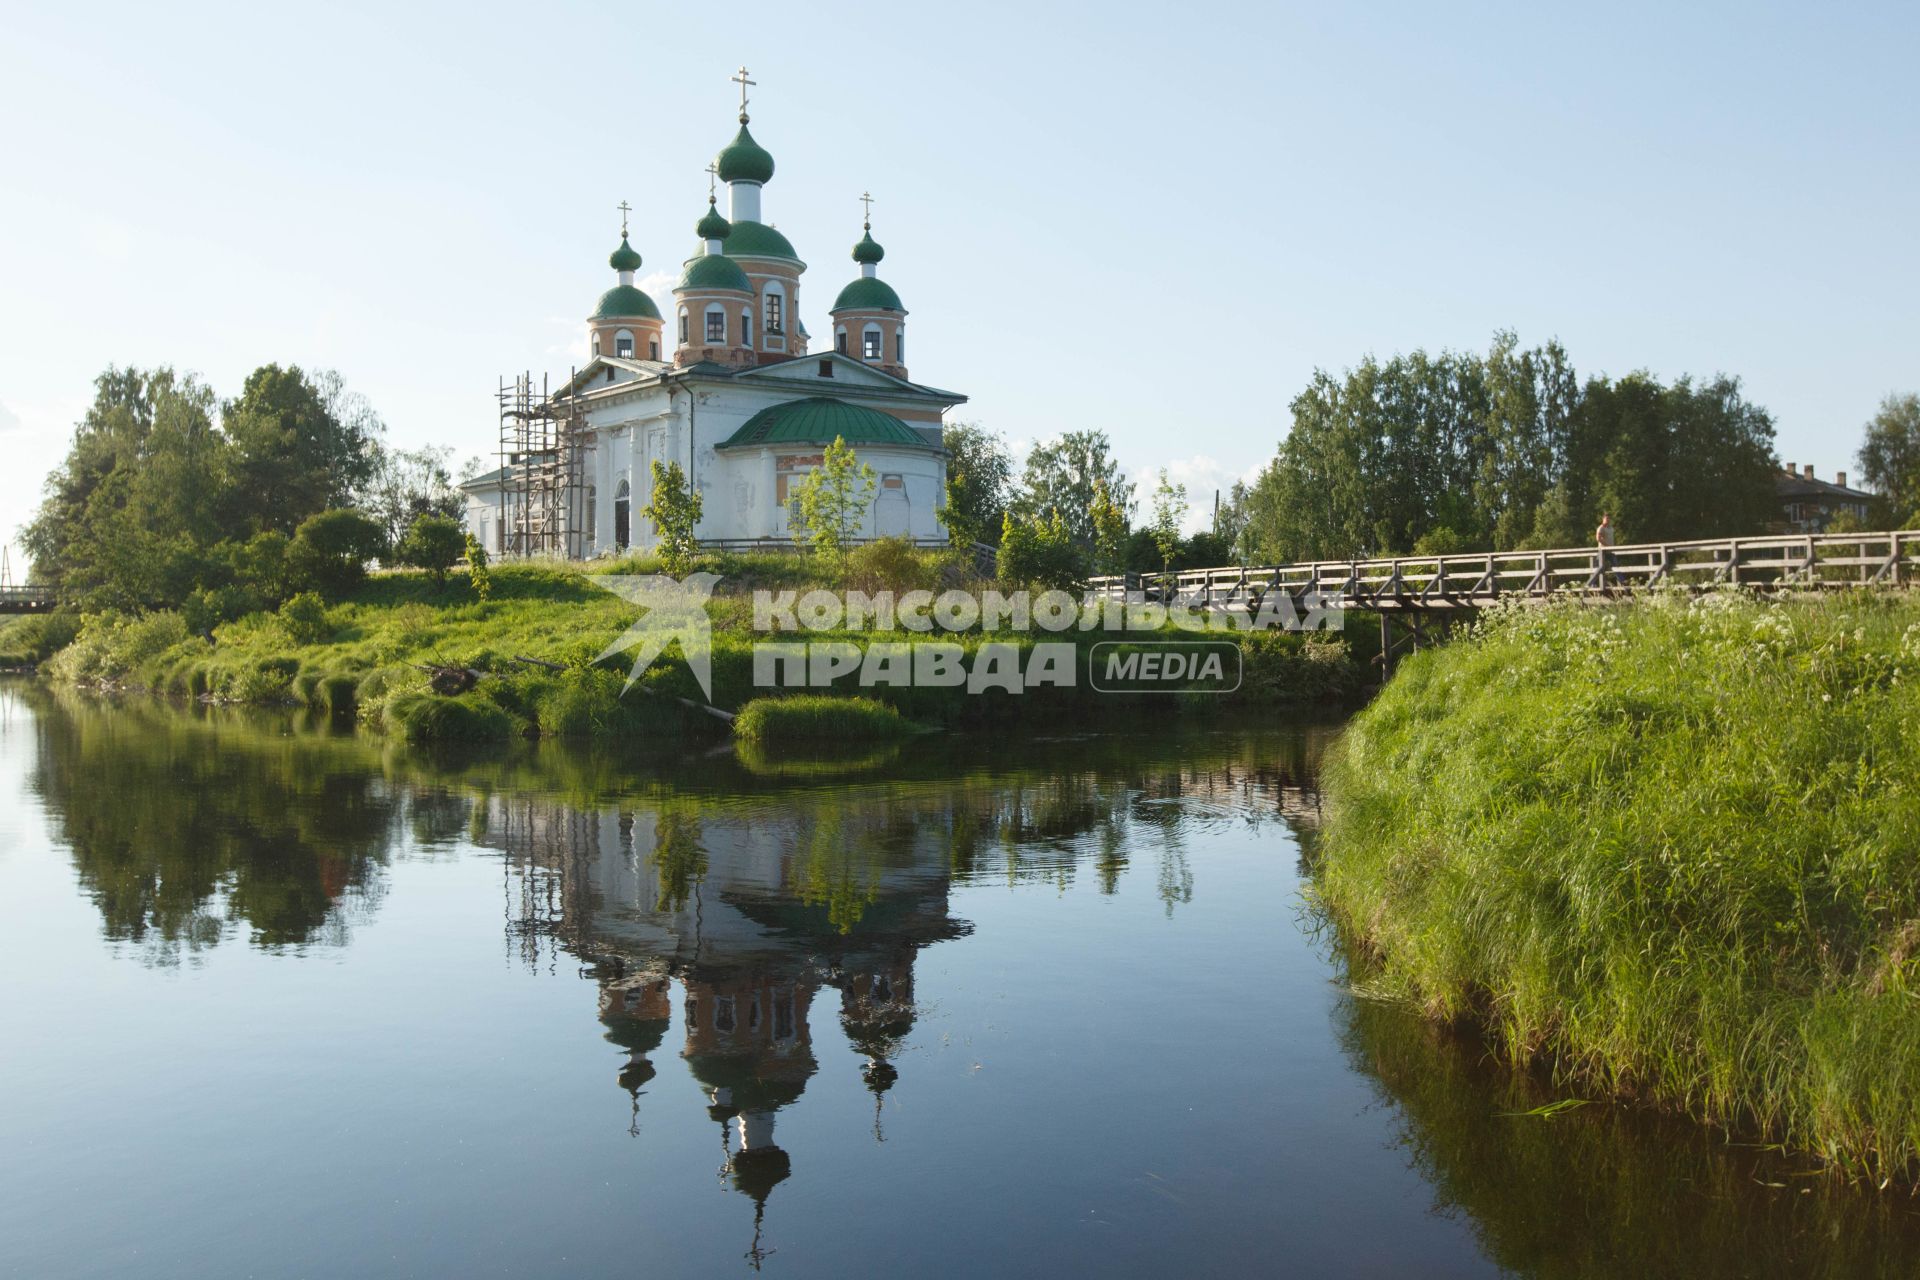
x=1152, y=219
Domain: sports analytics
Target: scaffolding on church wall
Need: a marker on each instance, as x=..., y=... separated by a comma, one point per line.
x=544, y=492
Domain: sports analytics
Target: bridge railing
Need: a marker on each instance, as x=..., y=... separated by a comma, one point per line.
x=1770, y=562
x=26, y=598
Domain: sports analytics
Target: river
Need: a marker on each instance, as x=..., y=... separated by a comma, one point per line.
x=283, y=1000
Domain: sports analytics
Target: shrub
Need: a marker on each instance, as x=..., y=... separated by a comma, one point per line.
x=329, y=552
x=891, y=564
x=478, y=574
x=816, y=718
x=432, y=543
x=305, y=618
x=1040, y=550
x=268, y=680
x=111, y=647
x=428, y=717
x=208, y=607
x=33, y=639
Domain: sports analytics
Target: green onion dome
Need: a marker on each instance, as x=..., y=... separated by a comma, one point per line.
x=624, y=258
x=743, y=159
x=713, y=226
x=868, y=293
x=758, y=240
x=713, y=271
x=624, y=302
x=868, y=250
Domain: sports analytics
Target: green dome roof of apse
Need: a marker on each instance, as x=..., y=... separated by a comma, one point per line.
x=743, y=159
x=712, y=226
x=868, y=293
x=820, y=420
x=868, y=250
x=713, y=271
x=624, y=302
x=625, y=258
x=758, y=240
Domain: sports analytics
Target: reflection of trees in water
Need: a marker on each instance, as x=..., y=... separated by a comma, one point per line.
x=177, y=832
x=678, y=855
x=1609, y=1191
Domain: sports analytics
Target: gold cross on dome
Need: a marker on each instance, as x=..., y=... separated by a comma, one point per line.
x=866, y=218
x=625, y=209
x=740, y=78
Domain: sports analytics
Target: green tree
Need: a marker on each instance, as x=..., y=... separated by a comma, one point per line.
x=1169, y=509
x=834, y=499
x=432, y=543
x=674, y=510
x=1060, y=478
x=406, y=484
x=1889, y=458
x=1505, y=450
x=1040, y=551
x=979, y=483
x=302, y=445
x=155, y=503
x=1109, y=530
x=329, y=552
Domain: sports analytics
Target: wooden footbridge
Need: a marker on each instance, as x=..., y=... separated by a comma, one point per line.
x=1426, y=593
x=27, y=598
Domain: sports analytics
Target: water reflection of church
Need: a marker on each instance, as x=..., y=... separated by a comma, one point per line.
x=754, y=913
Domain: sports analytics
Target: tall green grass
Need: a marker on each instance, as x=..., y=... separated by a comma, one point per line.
x=813, y=719
x=1671, y=851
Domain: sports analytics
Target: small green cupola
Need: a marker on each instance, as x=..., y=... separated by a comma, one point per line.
x=626, y=257
x=713, y=226
x=743, y=159
x=711, y=268
x=869, y=320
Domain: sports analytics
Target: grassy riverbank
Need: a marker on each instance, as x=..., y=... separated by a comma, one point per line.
x=1671, y=851
x=364, y=656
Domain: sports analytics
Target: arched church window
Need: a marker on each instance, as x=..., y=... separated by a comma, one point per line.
x=623, y=344
x=900, y=345
x=776, y=306
x=596, y=344
x=840, y=341
x=653, y=348
x=716, y=326
x=683, y=326
x=870, y=342
x=746, y=328
x=622, y=515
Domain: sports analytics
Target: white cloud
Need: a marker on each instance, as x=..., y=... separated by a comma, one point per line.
x=1201, y=473
x=9, y=420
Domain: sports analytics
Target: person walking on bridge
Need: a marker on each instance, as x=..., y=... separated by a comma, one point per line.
x=1604, y=576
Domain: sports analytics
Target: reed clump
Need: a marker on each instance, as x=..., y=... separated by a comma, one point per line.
x=815, y=719
x=1670, y=851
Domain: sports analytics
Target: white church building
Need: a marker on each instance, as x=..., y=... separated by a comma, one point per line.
x=739, y=400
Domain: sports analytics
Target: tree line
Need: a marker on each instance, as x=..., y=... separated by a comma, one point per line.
x=172, y=497
x=1511, y=450
x=1425, y=454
